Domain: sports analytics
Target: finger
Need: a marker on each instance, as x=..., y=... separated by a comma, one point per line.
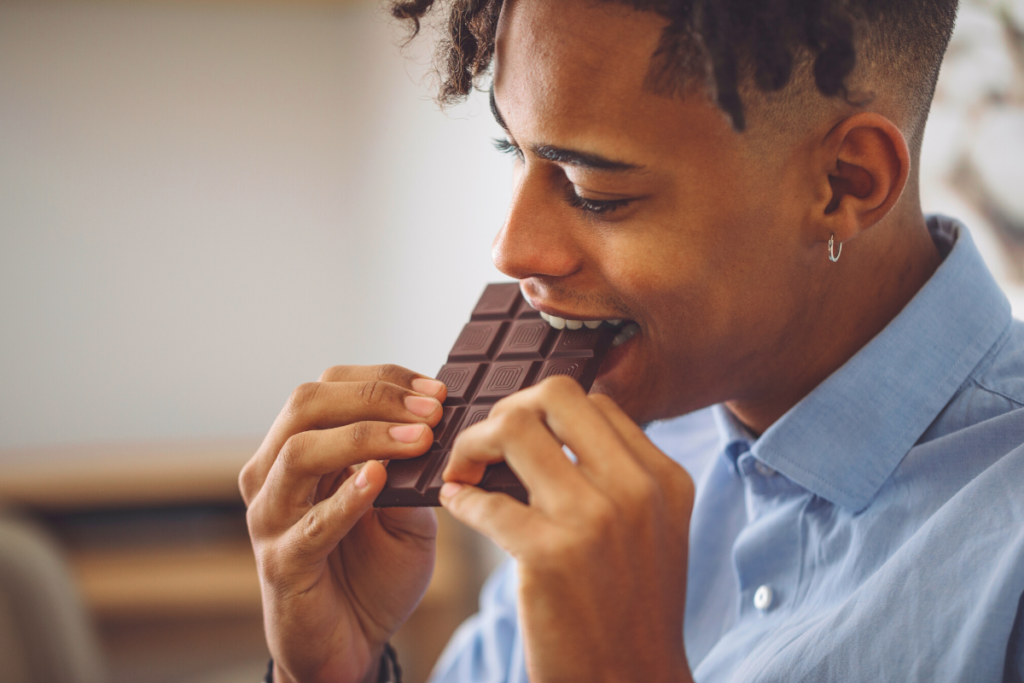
x=322, y=405
x=307, y=456
x=394, y=374
x=665, y=470
x=631, y=434
x=600, y=453
x=503, y=519
x=320, y=530
x=520, y=438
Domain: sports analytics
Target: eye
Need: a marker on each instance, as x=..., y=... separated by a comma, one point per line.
x=595, y=206
x=506, y=146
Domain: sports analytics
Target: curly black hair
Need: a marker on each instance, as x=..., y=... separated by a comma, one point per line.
x=725, y=43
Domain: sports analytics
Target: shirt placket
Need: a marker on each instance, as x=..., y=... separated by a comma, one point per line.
x=767, y=552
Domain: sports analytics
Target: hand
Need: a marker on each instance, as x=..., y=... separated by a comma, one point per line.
x=602, y=547
x=338, y=576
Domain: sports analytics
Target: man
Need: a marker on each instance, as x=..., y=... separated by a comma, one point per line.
x=738, y=181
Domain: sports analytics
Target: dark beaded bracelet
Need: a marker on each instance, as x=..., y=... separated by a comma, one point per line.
x=389, y=671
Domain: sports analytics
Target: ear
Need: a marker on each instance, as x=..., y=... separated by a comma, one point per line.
x=865, y=166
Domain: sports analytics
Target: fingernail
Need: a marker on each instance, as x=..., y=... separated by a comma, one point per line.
x=361, y=480
x=430, y=387
x=449, y=489
x=421, y=405
x=406, y=433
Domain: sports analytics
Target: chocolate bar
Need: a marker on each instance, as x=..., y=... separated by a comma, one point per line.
x=505, y=347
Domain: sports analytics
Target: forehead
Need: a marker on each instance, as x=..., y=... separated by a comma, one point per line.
x=574, y=71
x=573, y=56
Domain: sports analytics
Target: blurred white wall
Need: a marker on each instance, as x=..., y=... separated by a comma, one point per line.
x=204, y=204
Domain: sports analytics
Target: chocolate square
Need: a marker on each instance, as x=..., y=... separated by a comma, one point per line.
x=504, y=378
x=528, y=339
x=504, y=348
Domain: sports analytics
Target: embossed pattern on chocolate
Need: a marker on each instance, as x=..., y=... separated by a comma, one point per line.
x=504, y=348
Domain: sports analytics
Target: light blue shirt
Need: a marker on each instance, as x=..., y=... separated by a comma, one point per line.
x=875, y=532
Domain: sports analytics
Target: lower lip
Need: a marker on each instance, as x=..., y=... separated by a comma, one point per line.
x=616, y=355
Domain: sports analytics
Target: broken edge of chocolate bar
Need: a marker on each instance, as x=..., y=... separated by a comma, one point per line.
x=505, y=347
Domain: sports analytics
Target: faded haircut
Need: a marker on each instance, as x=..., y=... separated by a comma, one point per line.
x=736, y=49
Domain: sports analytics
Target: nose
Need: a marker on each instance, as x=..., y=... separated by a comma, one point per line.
x=536, y=239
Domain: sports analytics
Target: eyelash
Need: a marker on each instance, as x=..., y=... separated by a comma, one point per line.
x=504, y=146
x=596, y=206
x=592, y=206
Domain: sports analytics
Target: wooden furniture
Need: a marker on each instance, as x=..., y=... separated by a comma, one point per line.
x=155, y=535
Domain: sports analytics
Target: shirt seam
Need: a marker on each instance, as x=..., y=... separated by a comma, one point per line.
x=990, y=356
x=1018, y=402
x=987, y=362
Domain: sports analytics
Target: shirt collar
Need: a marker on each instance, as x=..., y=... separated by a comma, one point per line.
x=845, y=438
x=734, y=437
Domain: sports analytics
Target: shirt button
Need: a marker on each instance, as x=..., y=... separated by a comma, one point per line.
x=763, y=598
x=763, y=469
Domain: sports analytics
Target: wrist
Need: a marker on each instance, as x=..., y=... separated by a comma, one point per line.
x=383, y=668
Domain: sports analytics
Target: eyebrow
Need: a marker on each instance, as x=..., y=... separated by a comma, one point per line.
x=566, y=156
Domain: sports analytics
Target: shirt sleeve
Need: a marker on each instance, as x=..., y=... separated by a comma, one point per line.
x=487, y=647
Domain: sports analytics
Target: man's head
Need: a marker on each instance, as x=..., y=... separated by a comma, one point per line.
x=683, y=164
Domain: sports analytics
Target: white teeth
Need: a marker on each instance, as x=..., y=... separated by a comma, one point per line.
x=560, y=323
x=626, y=334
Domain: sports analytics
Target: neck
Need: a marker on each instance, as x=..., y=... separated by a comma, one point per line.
x=878, y=274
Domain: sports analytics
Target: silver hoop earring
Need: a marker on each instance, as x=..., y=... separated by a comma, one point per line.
x=832, y=256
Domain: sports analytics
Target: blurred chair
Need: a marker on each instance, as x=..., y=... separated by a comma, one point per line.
x=45, y=635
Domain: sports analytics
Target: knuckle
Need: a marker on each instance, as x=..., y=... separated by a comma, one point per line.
x=303, y=397
x=512, y=420
x=256, y=520
x=334, y=373
x=360, y=436
x=504, y=405
x=643, y=490
x=291, y=452
x=560, y=386
x=270, y=564
x=389, y=372
x=314, y=524
x=376, y=392
x=246, y=483
x=524, y=400
x=251, y=520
